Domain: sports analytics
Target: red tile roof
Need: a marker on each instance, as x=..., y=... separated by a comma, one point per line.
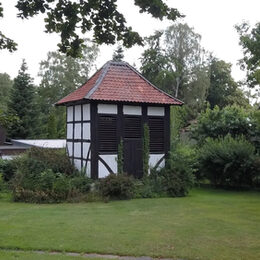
x=118, y=81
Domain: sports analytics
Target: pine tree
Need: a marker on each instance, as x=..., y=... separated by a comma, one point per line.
x=22, y=104
x=52, y=126
x=118, y=54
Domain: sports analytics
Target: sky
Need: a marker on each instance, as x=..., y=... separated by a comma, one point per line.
x=213, y=20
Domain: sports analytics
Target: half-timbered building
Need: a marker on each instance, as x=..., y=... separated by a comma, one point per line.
x=114, y=104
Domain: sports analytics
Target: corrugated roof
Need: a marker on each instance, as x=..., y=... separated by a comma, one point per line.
x=118, y=81
x=44, y=143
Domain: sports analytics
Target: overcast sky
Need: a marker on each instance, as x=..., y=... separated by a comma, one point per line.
x=213, y=20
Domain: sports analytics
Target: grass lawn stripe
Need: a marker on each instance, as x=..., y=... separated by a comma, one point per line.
x=208, y=224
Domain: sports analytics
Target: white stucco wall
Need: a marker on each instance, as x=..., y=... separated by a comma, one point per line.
x=132, y=110
x=69, y=113
x=69, y=148
x=78, y=113
x=77, y=164
x=85, y=150
x=86, y=131
x=107, y=109
x=154, y=158
x=155, y=111
x=112, y=163
x=69, y=131
x=86, y=112
x=77, y=149
x=77, y=131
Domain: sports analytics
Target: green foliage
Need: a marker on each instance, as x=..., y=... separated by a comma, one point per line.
x=100, y=17
x=118, y=54
x=61, y=75
x=8, y=120
x=52, y=132
x=174, y=180
x=5, y=88
x=22, y=105
x=2, y=184
x=229, y=162
x=44, y=176
x=174, y=62
x=120, y=158
x=223, y=89
x=57, y=160
x=118, y=186
x=146, y=150
x=249, y=39
x=8, y=168
x=7, y=43
x=231, y=120
x=179, y=170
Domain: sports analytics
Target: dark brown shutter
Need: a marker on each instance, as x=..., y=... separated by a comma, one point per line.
x=107, y=141
x=156, y=130
x=132, y=127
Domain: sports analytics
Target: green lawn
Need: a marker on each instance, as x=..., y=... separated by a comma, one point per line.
x=208, y=224
x=12, y=255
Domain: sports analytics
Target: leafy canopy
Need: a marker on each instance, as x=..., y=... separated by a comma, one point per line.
x=223, y=90
x=250, y=42
x=101, y=17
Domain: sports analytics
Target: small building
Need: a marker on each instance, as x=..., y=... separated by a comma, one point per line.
x=15, y=147
x=114, y=104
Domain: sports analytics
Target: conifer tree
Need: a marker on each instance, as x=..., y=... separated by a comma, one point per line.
x=118, y=54
x=22, y=105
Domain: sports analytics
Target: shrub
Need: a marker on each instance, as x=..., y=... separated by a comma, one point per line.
x=179, y=170
x=233, y=120
x=2, y=184
x=8, y=168
x=174, y=180
x=116, y=186
x=229, y=161
x=49, y=187
x=57, y=160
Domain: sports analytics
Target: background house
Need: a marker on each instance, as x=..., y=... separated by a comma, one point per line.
x=114, y=104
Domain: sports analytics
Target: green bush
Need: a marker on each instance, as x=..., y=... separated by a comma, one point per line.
x=117, y=186
x=229, y=162
x=8, y=168
x=179, y=170
x=174, y=180
x=49, y=187
x=57, y=160
x=233, y=120
x=2, y=184
x=34, y=181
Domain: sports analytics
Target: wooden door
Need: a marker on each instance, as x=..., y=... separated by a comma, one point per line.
x=133, y=162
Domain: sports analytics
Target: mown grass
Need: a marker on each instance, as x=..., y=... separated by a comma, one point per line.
x=16, y=255
x=208, y=224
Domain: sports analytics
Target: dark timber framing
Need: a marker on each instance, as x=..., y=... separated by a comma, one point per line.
x=120, y=117
x=93, y=134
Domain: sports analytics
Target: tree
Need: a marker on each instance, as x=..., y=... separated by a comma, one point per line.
x=223, y=89
x=118, y=54
x=249, y=39
x=52, y=126
x=173, y=58
x=5, y=88
x=98, y=16
x=232, y=120
x=174, y=62
x=5, y=42
x=60, y=75
x=22, y=104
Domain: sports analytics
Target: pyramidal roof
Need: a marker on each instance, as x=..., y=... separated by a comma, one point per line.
x=118, y=81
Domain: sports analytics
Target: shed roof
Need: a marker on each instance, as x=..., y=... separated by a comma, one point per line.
x=118, y=81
